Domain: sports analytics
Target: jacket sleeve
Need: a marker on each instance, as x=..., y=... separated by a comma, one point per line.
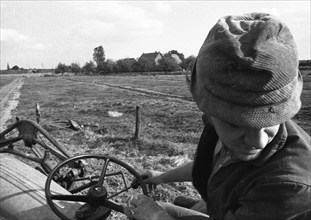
x=281, y=200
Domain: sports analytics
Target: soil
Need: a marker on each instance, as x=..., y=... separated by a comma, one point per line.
x=9, y=96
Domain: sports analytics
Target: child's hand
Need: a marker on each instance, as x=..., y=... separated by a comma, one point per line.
x=152, y=178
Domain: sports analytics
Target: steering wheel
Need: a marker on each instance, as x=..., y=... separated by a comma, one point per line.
x=100, y=185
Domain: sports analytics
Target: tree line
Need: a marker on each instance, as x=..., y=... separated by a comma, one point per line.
x=101, y=65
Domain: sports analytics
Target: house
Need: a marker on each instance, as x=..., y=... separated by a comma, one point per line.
x=15, y=68
x=153, y=58
x=129, y=61
x=176, y=58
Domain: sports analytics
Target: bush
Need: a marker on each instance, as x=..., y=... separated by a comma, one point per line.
x=304, y=63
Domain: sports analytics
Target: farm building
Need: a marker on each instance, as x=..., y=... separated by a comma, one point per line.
x=15, y=67
x=129, y=61
x=153, y=58
x=176, y=58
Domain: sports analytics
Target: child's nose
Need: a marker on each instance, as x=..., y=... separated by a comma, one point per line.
x=257, y=138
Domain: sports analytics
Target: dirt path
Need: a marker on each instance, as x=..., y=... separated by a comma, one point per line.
x=9, y=98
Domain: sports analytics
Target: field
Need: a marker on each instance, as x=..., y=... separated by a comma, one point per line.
x=170, y=125
x=6, y=80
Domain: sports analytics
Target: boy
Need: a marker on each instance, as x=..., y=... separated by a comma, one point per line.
x=252, y=161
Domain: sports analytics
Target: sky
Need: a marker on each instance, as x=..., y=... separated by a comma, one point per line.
x=40, y=34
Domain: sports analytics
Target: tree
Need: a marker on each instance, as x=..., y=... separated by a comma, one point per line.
x=99, y=55
x=143, y=65
x=139, y=66
x=103, y=68
x=8, y=66
x=75, y=68
x=168, y=64
x=304, y=62
x=125, y=65
x=89, y=67
x=111, y=66
x=188, y=63
x=61, y=68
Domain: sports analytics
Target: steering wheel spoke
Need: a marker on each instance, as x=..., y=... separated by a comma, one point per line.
x=73, y=198
x=103, y=173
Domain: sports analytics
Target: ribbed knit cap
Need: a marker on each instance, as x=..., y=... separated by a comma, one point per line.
x=246, y=72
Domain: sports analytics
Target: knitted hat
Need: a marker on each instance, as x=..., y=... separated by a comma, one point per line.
x=246, y=72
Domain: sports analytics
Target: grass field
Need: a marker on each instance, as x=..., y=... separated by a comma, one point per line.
x=4, y=80
x=170, y=126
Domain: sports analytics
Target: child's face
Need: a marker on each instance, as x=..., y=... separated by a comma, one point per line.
x=244, y=143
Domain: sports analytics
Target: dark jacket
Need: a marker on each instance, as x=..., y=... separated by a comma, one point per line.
x=276, y=185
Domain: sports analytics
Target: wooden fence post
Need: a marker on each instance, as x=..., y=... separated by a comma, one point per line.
x=38, y=114
x=138, y=119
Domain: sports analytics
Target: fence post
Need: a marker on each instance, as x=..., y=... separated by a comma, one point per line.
x=38, y=114
x=138, y=119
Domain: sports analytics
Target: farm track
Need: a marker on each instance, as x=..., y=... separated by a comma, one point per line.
x=9, y=95
x=141, y=91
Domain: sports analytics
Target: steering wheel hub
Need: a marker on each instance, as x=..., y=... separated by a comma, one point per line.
x=97, y=195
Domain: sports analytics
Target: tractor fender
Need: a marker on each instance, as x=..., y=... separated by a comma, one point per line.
x=22, y=195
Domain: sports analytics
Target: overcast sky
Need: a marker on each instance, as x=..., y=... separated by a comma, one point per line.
x=36, y=34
